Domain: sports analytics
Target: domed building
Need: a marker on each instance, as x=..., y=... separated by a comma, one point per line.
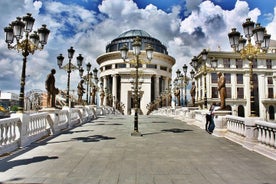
x=117, y=75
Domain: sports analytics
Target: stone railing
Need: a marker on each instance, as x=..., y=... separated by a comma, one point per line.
x=10, y=129
x=20, y=130
x=251, y=132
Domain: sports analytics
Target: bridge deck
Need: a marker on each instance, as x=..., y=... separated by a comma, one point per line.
x=169, y=152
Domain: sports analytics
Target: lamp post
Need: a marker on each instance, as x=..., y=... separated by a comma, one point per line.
x=249, y=51
x=196, y=63
x=185, y=68
x=69, y=67
x=29, y=44
x=136, y=52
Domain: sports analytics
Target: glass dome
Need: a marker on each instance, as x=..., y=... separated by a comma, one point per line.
x=127, y=38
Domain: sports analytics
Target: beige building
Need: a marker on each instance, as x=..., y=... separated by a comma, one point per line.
x=117, y=75
x=237, y=74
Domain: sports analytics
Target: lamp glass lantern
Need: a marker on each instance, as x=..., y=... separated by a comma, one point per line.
x=79, y=60
x=60, y=59
x=71, y=52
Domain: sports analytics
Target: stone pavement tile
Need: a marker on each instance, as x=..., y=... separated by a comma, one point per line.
x=170, y=151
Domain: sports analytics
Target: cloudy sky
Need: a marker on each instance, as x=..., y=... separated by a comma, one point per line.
x=184, y=26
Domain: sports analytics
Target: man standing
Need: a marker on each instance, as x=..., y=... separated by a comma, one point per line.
x=221, y=89
x=52, y=91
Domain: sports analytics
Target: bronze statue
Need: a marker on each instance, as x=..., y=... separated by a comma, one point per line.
x=193, y=92
x=81, y=91
x=221, y=89
x=177, y=95
x=102, y=97
x=52, y=91
x=93, y=94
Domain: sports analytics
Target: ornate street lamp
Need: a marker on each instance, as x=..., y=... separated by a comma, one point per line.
x=30, y=44
x=69, y=67
x=249, y=51
x=200, y=64
x=185, y=68
x=136, y=46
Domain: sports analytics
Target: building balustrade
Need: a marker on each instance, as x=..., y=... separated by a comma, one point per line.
x=252, y=133
x=21, y=129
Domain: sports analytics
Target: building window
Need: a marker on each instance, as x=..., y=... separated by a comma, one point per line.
x=214, y=77
x=133, y=65
x=270, y=92
x=269, y=80
x=228, y=92
x=239, y=78
x=108, y=67
x=226, y=63
x=255, y=63
x=227, y=77
x=238, y=63
x=214, y=92
x=241, y=111
x=151, y=66
x=163, y=68
x=268, y=64
x=121, y=65
x=240, y=93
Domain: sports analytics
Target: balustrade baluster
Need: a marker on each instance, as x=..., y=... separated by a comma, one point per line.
x=2, y=134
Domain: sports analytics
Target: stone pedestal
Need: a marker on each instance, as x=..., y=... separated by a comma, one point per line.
x=220, y=123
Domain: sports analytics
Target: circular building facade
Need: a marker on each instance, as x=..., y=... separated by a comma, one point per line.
x=117, y=75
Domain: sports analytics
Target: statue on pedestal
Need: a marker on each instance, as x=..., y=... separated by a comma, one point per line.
x=52, y=91
x=81, y=91
x=193, y=93
x=177, y=95
x=221, y=90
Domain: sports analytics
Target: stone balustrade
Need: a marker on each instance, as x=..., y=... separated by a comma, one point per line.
x=252, y=133
x=22, y=129
x=9, y=134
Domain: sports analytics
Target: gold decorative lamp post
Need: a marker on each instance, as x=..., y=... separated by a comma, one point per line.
x=29, y=44
x=200, y=66
x=69, y=67
x=249, y=51
x=136, y=46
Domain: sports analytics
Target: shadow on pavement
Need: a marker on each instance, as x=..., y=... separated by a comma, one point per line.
x=93, y=138
x=10, y=164
x=176, y=130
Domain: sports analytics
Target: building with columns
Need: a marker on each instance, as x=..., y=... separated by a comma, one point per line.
x=237, y=75
x=117, y=75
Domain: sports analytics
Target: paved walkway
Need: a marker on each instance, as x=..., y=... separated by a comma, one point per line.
x=170, y=152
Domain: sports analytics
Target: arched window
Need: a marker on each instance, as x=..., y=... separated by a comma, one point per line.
x=241, y=111
x=271, y=112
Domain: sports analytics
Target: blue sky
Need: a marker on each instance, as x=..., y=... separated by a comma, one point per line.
x=184, y=26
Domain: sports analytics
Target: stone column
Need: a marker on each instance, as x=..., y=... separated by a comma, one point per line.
x=262, y=91
x=104, y=86
x=157, y=92
x=114, y=89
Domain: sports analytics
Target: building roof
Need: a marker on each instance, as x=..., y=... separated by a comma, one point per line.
x=134, y=33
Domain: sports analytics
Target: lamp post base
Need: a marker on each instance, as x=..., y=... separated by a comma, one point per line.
x=136, y=134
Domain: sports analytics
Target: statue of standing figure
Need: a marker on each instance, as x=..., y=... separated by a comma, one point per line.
x=102, y=97
x=52, y=91
x=221, y=90
x=193, y=92
x=177, y=95
x=93, y=94
x=81, y=91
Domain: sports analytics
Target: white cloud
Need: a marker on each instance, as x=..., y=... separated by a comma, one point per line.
x=207, y=26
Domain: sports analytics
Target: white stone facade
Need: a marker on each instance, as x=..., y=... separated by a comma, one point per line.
x=237, y=74
x=117, y=74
